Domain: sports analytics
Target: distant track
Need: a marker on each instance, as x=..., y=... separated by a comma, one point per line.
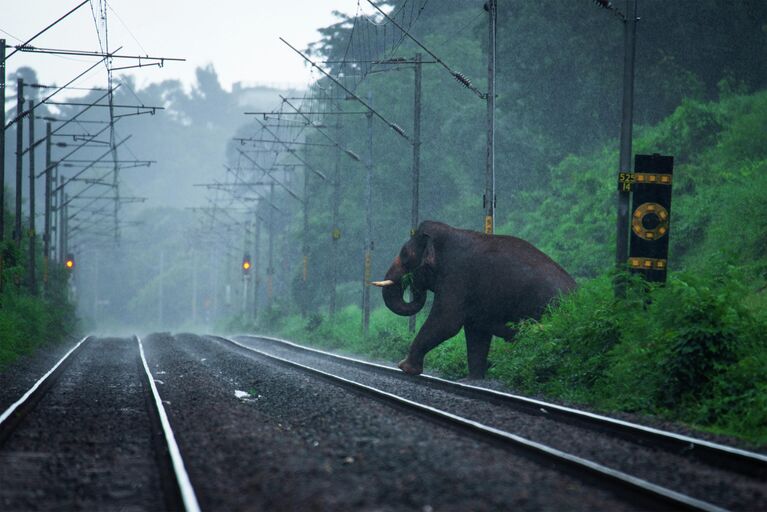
x=622, y=483
x=733, y=459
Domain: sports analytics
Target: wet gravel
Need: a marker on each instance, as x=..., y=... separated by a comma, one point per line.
x=677, y=472
x=16, y=378
x=88, y=444
x=300, y=443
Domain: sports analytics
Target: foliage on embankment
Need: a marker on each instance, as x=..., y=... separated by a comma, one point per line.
x=29, y=321
x=694, y=350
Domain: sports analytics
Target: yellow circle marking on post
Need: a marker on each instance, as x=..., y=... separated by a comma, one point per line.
x=637, y=224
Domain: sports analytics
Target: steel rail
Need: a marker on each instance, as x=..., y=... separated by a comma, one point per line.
x=638, y=488
x=15, y=414
x=182, y=481
x=735, y=459
x=17, y=411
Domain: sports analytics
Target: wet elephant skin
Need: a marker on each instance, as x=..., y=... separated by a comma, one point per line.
x=480, y=282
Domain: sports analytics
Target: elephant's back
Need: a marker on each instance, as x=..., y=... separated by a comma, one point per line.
x=516, y=280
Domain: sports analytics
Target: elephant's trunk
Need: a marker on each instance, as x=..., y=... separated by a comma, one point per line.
x=393, y=294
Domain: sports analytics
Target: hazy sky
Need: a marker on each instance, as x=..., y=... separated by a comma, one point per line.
x=240, y=37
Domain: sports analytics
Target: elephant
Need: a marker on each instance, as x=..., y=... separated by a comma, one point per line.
x=480, y=282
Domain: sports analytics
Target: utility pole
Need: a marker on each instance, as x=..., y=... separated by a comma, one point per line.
x=31, y=263
x=305, y=249
x=54, y=217
x=629, y=52
x=160, y=298
x=61, y=220
x=2, y=157
x=488, y=199
x=194, y=287
x=48, y=187
x=416, y=161
x=2, y=153
x=19, y=143
x=270, y=267
x=368, y=253
x=215, y=276
x=244, y=305
x=96, y=282
x=65, y=228
x=257, y=264
x=336, y=234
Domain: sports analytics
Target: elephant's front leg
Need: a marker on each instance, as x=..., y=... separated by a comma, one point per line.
x=442, y=323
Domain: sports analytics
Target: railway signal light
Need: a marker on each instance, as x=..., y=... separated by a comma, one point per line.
x=69, y=262
x=246, y=264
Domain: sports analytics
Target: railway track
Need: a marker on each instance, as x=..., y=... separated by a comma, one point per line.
x=64, y=420
x=664, y=451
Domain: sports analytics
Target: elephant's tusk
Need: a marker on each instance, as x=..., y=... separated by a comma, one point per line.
x=382, y=284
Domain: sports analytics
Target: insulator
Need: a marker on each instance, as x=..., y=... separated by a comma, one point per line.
x=462, y=79
x=397, y=129
x=606, y=4
x=353, y=155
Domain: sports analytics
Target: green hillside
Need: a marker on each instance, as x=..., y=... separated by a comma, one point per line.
x=694, y=350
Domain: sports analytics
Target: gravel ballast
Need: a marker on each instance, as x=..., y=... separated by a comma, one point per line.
x=87, y=445
x=299, y=443
x=724, y=488
x=17, y=377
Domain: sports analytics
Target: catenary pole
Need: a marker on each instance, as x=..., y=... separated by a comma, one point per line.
x=54, y=217
x=488, y=200
x=194, y=287
x=336, y=234
x=65, y=227
x=270, y=266
x=2, y=151
x=368, y=253
x=47, y=205
x=31, y=274
x=19, y=144
x=60, y=223
x=256, y=263
x=160, y=294
x=629, y=52
x=305, y=242
x=416, y=175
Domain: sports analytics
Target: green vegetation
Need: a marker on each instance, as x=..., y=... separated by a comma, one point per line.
x=694, y=350
x=29, y=321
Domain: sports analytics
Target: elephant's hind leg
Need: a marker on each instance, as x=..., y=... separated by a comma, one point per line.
x=477, y=348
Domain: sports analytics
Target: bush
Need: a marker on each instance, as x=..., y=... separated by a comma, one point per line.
x=685, y=351
x=27, y=322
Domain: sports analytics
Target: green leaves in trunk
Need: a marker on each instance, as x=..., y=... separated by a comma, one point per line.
x=408, y=281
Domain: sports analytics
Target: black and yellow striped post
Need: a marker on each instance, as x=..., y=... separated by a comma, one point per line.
x=650, y=185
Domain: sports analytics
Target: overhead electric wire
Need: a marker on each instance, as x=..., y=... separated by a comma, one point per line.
x=457, y=75
x=46, y=29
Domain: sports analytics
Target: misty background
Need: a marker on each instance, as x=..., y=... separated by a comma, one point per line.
x=559, y=88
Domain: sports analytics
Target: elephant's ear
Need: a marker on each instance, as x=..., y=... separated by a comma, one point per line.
x=429, y=254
